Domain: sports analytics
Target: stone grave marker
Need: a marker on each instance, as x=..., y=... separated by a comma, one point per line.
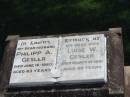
x=70, y=65
x=70, y=59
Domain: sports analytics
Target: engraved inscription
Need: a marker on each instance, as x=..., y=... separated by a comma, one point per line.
x=33, y=60
x=83, y=58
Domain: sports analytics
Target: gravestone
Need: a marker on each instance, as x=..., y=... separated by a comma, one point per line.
x=79, y=65
x=70, y=59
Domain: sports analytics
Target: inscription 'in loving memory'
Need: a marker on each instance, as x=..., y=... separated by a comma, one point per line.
x=77, y=58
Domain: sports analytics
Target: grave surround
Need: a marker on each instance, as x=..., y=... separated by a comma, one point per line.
x=113, y=87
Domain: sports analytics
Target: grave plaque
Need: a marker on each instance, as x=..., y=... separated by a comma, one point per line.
x=67, y=59
x=33, y=61
x=83, y=58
